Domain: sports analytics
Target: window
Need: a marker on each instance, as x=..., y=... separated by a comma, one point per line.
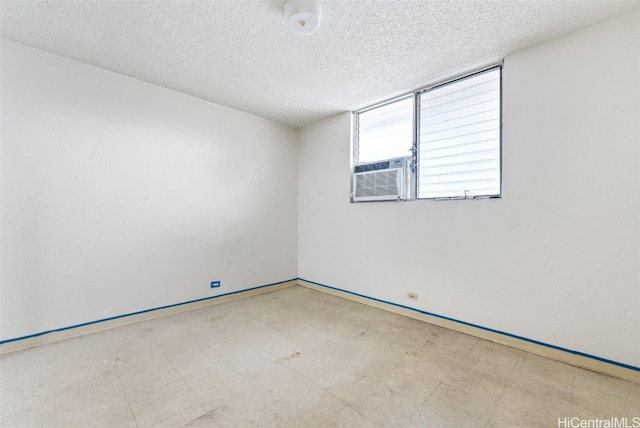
x=386, y=131
x=451, y=131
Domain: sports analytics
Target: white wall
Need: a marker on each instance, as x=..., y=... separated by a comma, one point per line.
x=119, y=196
x=557, y=259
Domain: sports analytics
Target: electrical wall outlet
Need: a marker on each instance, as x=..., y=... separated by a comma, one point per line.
x=412, y=296
x=215, y=284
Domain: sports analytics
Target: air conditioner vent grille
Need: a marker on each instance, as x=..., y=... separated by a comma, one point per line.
x=380, y=181
x=383, y=183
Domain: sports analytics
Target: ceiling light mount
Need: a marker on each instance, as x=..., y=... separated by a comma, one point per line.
x=303, y=15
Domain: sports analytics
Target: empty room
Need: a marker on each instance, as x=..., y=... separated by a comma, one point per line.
x=333, y=213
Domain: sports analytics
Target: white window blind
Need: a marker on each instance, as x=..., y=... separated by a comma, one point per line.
x=386, y=132
x=459, y=138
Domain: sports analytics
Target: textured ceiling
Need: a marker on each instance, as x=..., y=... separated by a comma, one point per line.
x=241, y=53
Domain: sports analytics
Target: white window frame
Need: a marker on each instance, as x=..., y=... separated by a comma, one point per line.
x=415, y=151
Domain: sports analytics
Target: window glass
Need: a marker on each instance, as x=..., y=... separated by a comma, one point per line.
x=459, y=138
x=455, y=147
x=385, y=132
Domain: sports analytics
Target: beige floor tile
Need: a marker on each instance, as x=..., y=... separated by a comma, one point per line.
x=28, y=405
x=386, y=407
x=80, y=400
x=502, y=418
x=481, y=383
x=599, y=396
x=449, y=407
x=389, y=401
x=414, y=334
x=156, y=398
x=324, y=365
x=303, y=334
x=265, y=418
x=430, y=361
x=113, y=415
x=215, y=385
x=143, y=360
x=238, y=406
x=554, y=373
x=134, y=371
x=129, y=338
x=79, y=350
x=373, y=321
x=347, y=417
x=354, y=391
x=28, y=366
x=275, y=384
x=88, y=369
x=191, y=355
x=536, y=400
x=43, y=416
x=410, y=383
x=296, y=358
x=491, y=357
x=285, y=322
x=192, y=417
x=454, y=344
x=306, y=405
x=328, y=377
x=336, y=327
x=368, y=355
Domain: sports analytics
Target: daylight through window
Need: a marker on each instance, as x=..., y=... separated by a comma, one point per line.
x=451, y=133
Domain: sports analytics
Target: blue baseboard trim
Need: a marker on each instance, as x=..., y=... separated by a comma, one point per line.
x=58, y=330
x=504, y=333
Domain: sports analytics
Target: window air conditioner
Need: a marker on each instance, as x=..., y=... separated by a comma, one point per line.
x=380, y=181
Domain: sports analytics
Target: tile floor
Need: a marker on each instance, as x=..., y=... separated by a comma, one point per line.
x=297, y=358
